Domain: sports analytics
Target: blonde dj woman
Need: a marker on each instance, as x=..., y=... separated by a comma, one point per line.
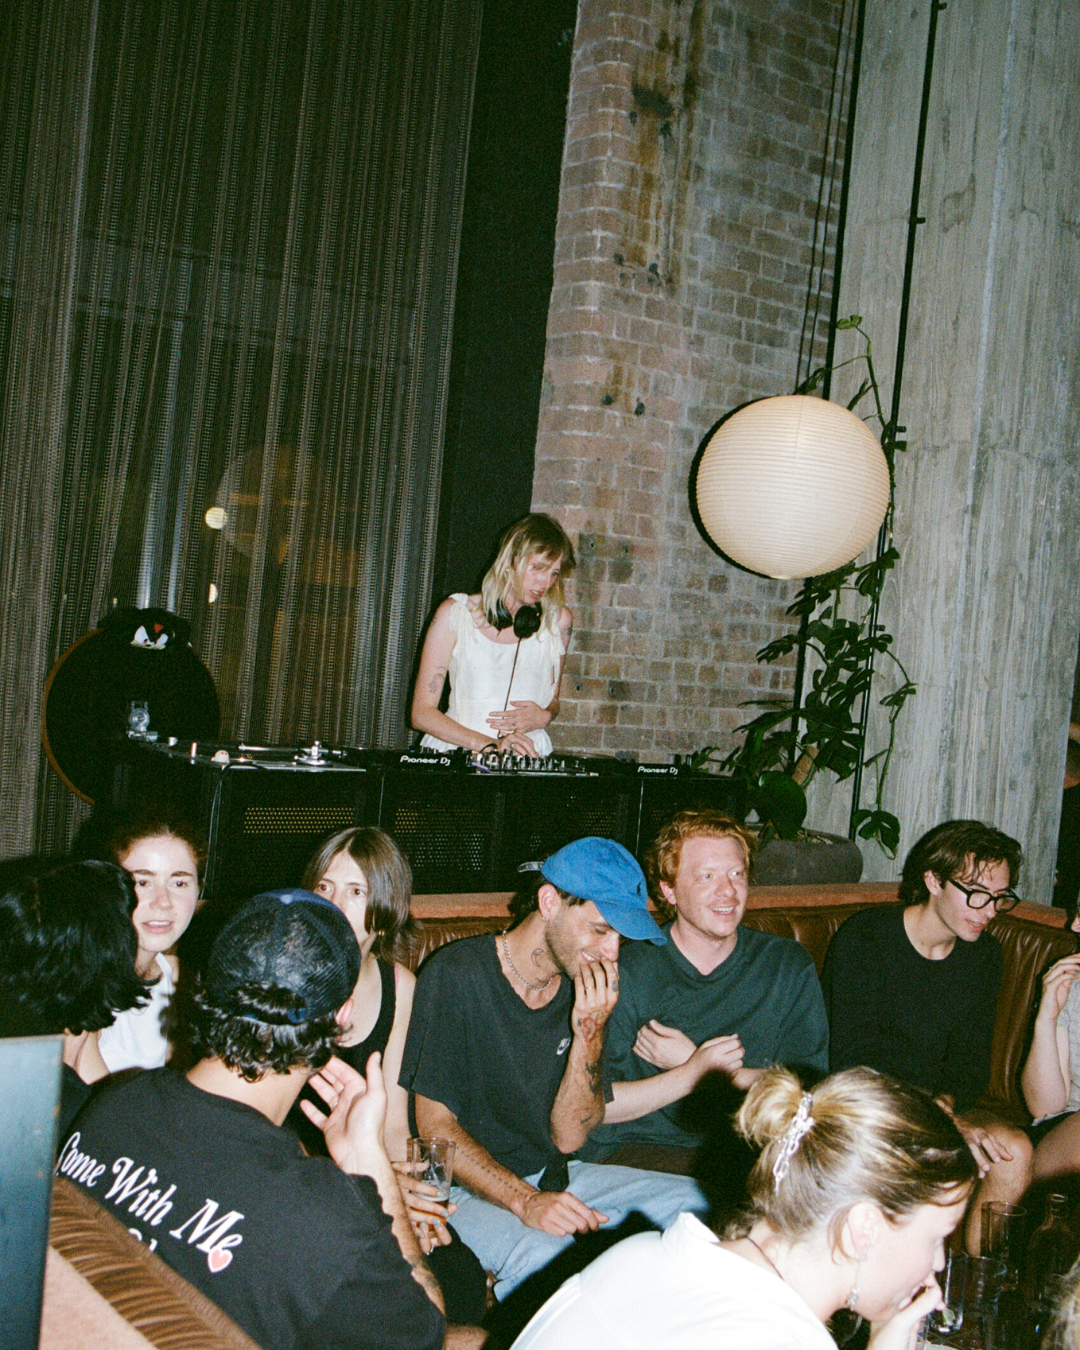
x=503, y=650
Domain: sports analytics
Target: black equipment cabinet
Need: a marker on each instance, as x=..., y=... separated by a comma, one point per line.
x=463, y=828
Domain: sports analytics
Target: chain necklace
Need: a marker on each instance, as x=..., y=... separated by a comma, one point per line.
x=766, y=1256
x=529, y=984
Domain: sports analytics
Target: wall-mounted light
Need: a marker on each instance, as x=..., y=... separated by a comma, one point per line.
x=792, y=486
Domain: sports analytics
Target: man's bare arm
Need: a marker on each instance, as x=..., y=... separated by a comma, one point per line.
x=579, y=1103
x=637, y=1097
x=556, y=1212
x=474, y=1166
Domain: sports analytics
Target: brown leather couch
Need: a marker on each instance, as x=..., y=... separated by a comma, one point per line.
x=105, y=1290
x=1032, y=936
x=98, y=1269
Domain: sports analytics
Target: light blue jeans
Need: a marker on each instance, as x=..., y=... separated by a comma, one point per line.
x=512, y=1251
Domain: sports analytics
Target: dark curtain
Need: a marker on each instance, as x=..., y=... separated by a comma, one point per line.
x=226, y=281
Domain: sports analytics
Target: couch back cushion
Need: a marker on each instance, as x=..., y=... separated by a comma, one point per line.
x=1029, y=948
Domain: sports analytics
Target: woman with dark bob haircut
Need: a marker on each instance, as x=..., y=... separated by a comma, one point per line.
x=857, y=1185
x=67, y=960
x=364, y=873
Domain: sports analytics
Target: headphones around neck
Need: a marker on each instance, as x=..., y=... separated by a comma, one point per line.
x=525, y=622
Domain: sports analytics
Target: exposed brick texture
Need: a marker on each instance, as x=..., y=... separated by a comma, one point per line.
x=696, y=139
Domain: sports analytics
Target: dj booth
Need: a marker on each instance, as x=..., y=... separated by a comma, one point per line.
x=464, y=821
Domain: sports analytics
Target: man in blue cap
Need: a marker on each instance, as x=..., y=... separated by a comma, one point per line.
x=505, y=1057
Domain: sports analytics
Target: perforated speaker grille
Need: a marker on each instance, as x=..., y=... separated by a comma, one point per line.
x=661, y=798
x=448, y=831
x=549, y=814
x=317, y=820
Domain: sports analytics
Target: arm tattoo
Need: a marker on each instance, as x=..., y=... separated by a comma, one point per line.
x=437, y=680
x=427, y=1282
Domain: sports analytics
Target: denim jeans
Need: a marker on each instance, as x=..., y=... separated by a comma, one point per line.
x=512, y=1251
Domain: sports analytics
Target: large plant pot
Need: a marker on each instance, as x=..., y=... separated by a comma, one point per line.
x=818, y=858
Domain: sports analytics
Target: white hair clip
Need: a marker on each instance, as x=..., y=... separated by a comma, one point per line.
x=793, y=1137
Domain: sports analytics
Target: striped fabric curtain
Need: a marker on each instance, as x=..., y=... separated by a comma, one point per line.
x=226, y=285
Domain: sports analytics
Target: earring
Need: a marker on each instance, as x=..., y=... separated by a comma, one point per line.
x=853, y=1296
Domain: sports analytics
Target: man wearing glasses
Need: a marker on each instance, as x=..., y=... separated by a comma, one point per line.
x=911, y=989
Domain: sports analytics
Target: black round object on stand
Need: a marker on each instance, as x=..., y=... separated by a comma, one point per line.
x=137, y=656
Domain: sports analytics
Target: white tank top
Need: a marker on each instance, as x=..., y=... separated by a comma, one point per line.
x=480, y=676
x=136, y=1040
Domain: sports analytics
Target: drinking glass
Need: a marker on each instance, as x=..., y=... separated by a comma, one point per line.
x=952, y=1280
x=432, y=1160
x=1003, y=1236
x=984, y=1284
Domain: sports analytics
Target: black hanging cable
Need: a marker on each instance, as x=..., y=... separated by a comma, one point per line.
x=849, y=69
x=517, y=652
x=914, y=221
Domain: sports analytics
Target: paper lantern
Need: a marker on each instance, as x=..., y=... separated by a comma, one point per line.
x=792, y=486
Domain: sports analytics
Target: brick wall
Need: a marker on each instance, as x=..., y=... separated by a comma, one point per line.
x=696, y=138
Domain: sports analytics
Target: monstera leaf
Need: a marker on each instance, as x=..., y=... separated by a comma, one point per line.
x=780, y=801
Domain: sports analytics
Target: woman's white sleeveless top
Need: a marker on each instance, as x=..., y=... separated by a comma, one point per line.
x=480, y=676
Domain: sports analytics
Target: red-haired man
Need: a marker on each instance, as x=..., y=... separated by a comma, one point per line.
x=716, y=998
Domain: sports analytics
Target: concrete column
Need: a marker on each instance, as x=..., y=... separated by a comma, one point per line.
x=985, y=606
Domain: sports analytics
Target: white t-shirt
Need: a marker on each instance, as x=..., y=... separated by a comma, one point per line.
x=136, y=1040
x=678, y=1290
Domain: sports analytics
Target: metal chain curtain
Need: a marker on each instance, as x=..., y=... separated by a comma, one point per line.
x=228, y=263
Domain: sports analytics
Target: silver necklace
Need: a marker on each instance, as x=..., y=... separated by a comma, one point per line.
x=529, y=984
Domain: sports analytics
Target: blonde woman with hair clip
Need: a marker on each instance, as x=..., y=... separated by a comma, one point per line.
x=502, y=650
x=857, y=1186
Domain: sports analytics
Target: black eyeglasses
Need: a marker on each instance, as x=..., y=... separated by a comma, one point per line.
x=979, y=899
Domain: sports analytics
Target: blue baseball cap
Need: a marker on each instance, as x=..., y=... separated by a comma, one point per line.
x=604, y=872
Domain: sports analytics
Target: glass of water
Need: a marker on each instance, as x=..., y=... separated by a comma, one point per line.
x=432, y=1161
x=946, y=1321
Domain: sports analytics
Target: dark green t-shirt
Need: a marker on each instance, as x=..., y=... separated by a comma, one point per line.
x=766, y=991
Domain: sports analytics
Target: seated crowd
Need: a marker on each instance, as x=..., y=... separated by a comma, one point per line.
x=586, y=1063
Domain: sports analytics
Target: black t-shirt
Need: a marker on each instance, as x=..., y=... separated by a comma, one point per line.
x=296, y=1252
x=74, y=1094
x=926, y=1022
x=477, y=1048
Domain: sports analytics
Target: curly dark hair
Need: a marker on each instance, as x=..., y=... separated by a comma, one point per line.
x=956, y=849
x=526, y=898
x=67, y=946
x=237, y=1036
x=153, y=822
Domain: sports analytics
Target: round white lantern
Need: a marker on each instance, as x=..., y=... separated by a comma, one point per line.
x=792, y=486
